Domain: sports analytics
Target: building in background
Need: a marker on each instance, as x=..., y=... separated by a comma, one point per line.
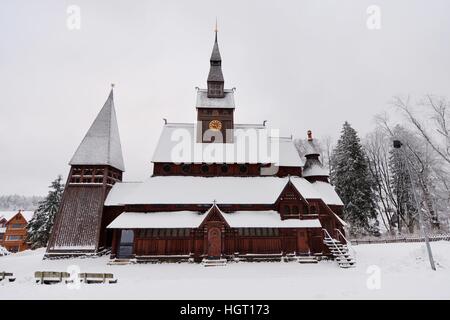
x=13, y=229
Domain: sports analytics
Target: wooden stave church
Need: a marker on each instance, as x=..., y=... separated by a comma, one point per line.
x=288, y=213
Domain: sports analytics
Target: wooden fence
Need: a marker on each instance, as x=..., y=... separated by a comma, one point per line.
x=400, y=239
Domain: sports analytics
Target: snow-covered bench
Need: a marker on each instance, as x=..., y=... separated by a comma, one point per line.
x=7, y=275
x=49, y=277
x=97, y=278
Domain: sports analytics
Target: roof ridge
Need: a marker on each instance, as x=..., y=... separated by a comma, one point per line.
x=110, y=97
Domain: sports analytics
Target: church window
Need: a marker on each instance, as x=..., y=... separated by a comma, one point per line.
x=305, y=209
x=186, y=168
x=224, y=168
x=295, y=209
x=243, y=168
x=287, y=209
x=167, y=168
x=98, y=180
x=205, y=168
x=313, y=210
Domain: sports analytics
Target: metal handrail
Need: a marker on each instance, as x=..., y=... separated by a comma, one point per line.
x=336, y=247
x=342, y=235
x=348, y=242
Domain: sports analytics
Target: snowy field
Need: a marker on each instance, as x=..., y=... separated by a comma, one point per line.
x=404, y=273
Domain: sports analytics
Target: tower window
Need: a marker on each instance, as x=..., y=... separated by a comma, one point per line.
x=205, y=168
x=224, y=168
x=167, y=168
x=295, y=209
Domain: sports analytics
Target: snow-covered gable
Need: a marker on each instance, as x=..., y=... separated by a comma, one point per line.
x=177, y=144
x=204, y=102
x=28, y=215
x=101, y=145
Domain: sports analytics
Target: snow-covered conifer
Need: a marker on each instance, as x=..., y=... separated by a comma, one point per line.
x=40, y=226
x=351, y=177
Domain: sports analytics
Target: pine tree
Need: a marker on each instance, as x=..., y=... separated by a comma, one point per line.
x=40, y=226
x=351, y=177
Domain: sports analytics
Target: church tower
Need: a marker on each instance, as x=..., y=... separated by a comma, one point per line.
x=95, y=167
x=215, y=105
x=215, y=76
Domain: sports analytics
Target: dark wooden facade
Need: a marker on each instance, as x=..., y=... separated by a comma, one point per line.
x=78, y=224
x=183, y=243
x=220, y=169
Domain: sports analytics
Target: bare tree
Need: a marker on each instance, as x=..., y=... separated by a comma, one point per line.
x=420, y=158
x=438, y=111
x=377, y=151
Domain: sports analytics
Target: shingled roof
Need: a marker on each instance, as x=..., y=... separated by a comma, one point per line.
x=215, y=55
x=215, y=71
x=101, y=144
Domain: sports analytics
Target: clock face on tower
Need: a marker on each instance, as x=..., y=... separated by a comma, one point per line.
x=215, y=125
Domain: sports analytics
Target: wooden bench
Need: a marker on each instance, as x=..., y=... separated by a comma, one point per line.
x=7, y=275
x=97, y=278
x=49, y=277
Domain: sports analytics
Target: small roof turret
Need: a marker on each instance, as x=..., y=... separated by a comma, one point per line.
x=313, y=167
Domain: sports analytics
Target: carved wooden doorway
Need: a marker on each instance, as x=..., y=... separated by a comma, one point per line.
x=214, y=242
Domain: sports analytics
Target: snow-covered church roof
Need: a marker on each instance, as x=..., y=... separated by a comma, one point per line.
x=313, y=167
x=203, y=101
x=223, y=190
x=177, y=144
x=101, y=145
x=189, y=219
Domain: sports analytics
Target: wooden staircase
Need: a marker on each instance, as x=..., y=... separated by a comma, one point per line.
x=340, y=251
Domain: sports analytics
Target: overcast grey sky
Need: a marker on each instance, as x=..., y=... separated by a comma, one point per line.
x=299, y=64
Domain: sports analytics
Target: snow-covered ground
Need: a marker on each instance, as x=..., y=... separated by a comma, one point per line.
x=384, y=271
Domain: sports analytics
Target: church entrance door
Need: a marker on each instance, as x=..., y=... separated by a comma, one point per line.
x=214, y=242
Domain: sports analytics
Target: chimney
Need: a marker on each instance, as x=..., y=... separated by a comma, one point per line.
x=309, y=133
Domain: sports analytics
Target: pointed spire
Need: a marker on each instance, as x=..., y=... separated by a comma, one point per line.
x=101, y=144
x=215, y=76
